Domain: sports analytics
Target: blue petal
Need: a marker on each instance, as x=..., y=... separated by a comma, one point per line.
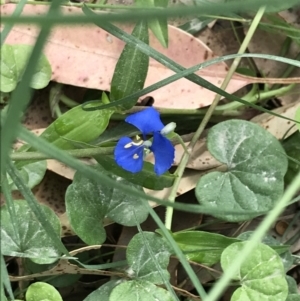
x=164, y=153
x=129, y=156
x=147, y=121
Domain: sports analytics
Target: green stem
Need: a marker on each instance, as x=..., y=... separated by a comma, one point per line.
x=186, y=156
x=68, y=101
x=78, y=153
x=228, y=109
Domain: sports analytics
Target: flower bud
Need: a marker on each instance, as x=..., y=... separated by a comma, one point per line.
x=169, y=128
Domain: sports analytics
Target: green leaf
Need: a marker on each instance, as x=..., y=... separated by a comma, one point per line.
x=131, y=69
x=145, y=178
x=269, y=240
x=262, y=276
x=13, y=61
x=31, y=240
x=292, y=148
x=32, y=174
x=138, y=290
x=202, y=247
x=140, y=259
x=100, y=200
x=74, y=125
x=103, y=292
x=256, y=165
x=293, y=288
x=41, y=291
x=195, y=25
x=159, y=27
x=278, y=25
x=4, y=281
x=114, y=134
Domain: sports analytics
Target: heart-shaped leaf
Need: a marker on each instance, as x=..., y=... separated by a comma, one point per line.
x=30, y=239
x=256, y=165
x=13, y=61
x=262, y=276
x=142, y=249
x=139, y=290
x=89, y=202
x=269, y=240
x=40, y=291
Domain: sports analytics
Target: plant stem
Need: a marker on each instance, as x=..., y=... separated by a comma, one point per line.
x=78, y=153
x=185, y=157
x=68, y=101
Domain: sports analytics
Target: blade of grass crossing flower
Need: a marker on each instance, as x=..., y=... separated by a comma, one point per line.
x=159, y=27
x=5, y=282
x=47, y=148
x=33, y=204
x=131, y=69
x=22, y=94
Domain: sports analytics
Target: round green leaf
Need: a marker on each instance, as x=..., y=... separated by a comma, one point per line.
x=99, y=201
x=41, y=291
x=30, y=239
x=140, y=259
x=293, y=288
x=256, y=167
x=262, y=276
x=269, y=240
x=13, y=61
x=139, y=290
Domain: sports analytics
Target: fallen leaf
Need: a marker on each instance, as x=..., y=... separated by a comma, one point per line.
x=86, y=55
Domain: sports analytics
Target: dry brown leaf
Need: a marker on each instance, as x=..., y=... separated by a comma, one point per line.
x=86, y=55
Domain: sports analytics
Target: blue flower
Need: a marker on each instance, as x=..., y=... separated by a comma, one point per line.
x=129, y=154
